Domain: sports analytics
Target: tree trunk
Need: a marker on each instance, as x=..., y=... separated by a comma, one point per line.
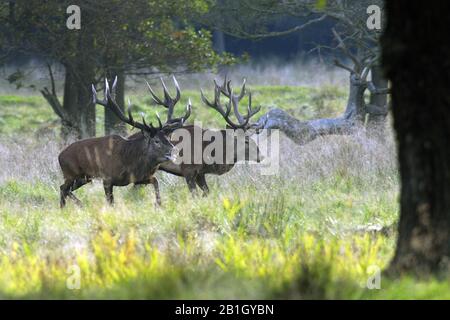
x=112, y=123
x=77, y=103
x=418, y=66
x=85, y=76
x=70, y=107
x=378, y=107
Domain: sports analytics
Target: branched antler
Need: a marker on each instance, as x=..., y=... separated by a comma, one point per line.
x=110, y=103
x=227, y=90
x=170, y=102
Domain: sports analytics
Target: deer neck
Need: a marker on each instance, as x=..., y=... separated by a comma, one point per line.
x=136, y=157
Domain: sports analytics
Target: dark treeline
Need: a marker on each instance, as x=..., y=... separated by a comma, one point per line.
x=285, y=47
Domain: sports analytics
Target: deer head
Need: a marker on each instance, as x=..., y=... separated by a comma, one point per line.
x=243, y=125
x=156, y=137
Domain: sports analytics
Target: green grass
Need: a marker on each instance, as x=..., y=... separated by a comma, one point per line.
x=303, y=234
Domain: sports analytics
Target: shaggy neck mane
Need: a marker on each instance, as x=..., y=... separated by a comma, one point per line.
x=136, y=158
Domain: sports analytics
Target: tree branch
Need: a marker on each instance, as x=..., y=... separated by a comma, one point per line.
x=247, y=35
x=375, y=90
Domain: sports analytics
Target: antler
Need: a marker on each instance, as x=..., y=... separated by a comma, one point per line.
x=170, y=102
x=234, y=100
x=110, y=103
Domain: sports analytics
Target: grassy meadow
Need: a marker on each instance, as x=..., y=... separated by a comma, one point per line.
x=320, y=228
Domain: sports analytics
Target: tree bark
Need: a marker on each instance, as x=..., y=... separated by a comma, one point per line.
x=77, y=104
x=416, y=58
x=70, y=107
x=378, y=108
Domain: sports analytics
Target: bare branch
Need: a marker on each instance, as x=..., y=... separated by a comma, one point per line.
x=347, y=52
x=375, y=90
x=343, y=66
x=247, y=35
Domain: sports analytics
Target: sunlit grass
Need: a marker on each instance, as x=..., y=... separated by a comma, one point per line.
x=228, y=245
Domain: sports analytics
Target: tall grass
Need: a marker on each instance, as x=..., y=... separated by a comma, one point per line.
x=253, y=236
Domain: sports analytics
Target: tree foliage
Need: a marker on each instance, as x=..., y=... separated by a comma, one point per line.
x=116, y=36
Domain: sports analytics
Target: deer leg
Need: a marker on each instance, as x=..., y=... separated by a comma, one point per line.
x=74, y=198
x=155, y=184
x=190, y=180
x=108, y=192
x=76, y=185
x=64, y=192
x=201, y=182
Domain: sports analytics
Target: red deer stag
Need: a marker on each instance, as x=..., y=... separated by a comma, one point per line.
x=116, y=160
x=194, y=173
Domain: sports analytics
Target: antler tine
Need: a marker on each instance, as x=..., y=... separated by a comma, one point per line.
x=169, y=102
x=95, y=98
x=255, y=110
x=154, y=96
x=188, y=110
x=224, y=82
x=110, y=103
x=227, y=110
x=205, y=100
x=224, y=87
x=145, y=123
x=229, y=88
x=159, y=121
x=242, y=94
x=219, y=108
x=167, y=98
x=243, y=121
x=216, y=105
x=130, y=116
x=94, y=94
x=106, y=89
x=233, y=101
x=113, y=87
x=177, y=87
x=186, y=115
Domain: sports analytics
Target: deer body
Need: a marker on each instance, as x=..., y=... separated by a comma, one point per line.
x=194, y=173
x=117, y=161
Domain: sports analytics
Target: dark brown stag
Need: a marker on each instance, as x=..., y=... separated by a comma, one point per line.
x=194, y=172
x=116, y=160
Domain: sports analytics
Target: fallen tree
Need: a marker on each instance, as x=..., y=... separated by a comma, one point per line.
x=356, y=111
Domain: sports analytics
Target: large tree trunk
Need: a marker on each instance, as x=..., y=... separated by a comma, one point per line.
x=77, y=111
x=378, y=107
x=78, y=108
x=85, y=76
x=416, y=57
x=71, y=127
